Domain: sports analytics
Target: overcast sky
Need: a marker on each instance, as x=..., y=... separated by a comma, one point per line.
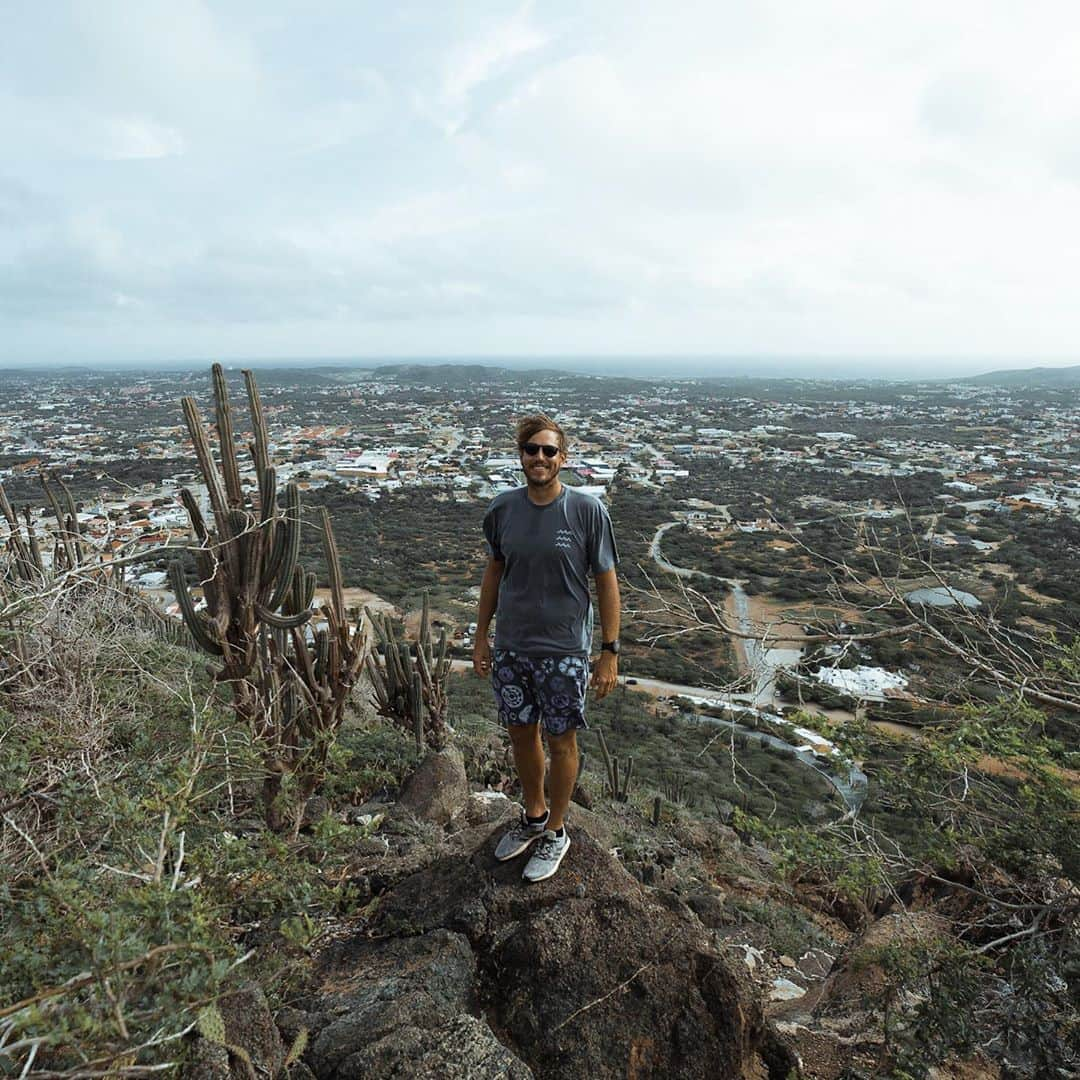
x=804, y=178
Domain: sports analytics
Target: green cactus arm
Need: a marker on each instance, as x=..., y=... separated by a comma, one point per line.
x=275, y=552
x=416, y=712
x=205, y=459
x=230, y=467
x=195, y=623
x=403, y=662
x=442, y=661
x=74, y=529
x=322, y=653
x=198, y=525
x=608, y=765
x=378, y=684
x=333, y=563
x=281, y=622
x=69, y=503
x=421, y=662
x=255, y=547
x=261, y=452
x=267, y=493
x=291, y=551
x=294, y=598
x=37, y=562
x=288, y=705
x=6, y=509
x=303, y=656
x=61, y=525
x=23, y=554
x=376, y=619
x=240, y=542
x=425, y=626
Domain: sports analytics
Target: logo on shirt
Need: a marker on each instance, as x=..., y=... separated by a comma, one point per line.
x=564, y=538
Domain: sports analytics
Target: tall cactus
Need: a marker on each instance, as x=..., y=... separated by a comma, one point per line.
x=288, y=690
x=246, y=560
x=410, y=684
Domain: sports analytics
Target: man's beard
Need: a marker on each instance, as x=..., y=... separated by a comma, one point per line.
x=541, y=479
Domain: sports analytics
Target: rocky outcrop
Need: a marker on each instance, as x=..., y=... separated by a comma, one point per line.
x=466, y=969
x=400, y=1007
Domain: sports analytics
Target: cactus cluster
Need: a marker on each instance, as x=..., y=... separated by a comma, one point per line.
x=289, y=684
x=675, y=788
x=71, y=565
x=618, y=786
x=410, y=684
x=25, y=562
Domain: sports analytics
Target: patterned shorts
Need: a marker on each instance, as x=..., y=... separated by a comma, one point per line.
x=540, y=689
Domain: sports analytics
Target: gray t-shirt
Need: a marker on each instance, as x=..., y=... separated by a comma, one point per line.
x=549, y=552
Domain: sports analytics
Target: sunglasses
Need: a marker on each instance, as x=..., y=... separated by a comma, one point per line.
x=534, y=448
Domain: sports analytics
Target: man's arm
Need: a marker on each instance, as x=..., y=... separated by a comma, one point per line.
x=489, y=599
x=606, y=671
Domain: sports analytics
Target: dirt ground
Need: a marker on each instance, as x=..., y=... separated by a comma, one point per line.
x=358, y=598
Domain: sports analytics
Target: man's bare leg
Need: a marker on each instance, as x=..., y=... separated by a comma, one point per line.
x=564, y=770
x=529, y=761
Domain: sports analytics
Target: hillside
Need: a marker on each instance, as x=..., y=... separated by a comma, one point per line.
x=1024, y=378
x=140, y=884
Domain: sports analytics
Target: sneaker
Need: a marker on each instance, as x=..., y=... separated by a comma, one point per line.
x=517, y=838
x=547, y=856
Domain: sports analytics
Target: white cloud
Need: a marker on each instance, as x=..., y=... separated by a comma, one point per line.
x=838, y=177
x=131, y=138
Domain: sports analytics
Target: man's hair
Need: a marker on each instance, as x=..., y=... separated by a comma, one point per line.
x=528, y=426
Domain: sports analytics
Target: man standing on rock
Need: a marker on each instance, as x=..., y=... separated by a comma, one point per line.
x=544, y=540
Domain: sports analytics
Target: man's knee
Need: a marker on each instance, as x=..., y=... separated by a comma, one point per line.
x=563, y=746
x=524, y=735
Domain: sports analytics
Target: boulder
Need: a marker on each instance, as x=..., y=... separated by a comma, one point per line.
x=396, y=1007
x=462, y=1047
x=438, y=788
x=588, y=974
x=858, y=979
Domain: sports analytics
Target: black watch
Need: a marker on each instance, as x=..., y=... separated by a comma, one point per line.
x=610, y=646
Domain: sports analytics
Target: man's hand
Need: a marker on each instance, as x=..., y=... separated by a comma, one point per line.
x=481, y=657
x=605, y=674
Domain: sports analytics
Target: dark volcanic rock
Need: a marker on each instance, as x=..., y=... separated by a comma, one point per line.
x=588, y=974
x=399, y=1007
x=463, y=1047
x=373, y=988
